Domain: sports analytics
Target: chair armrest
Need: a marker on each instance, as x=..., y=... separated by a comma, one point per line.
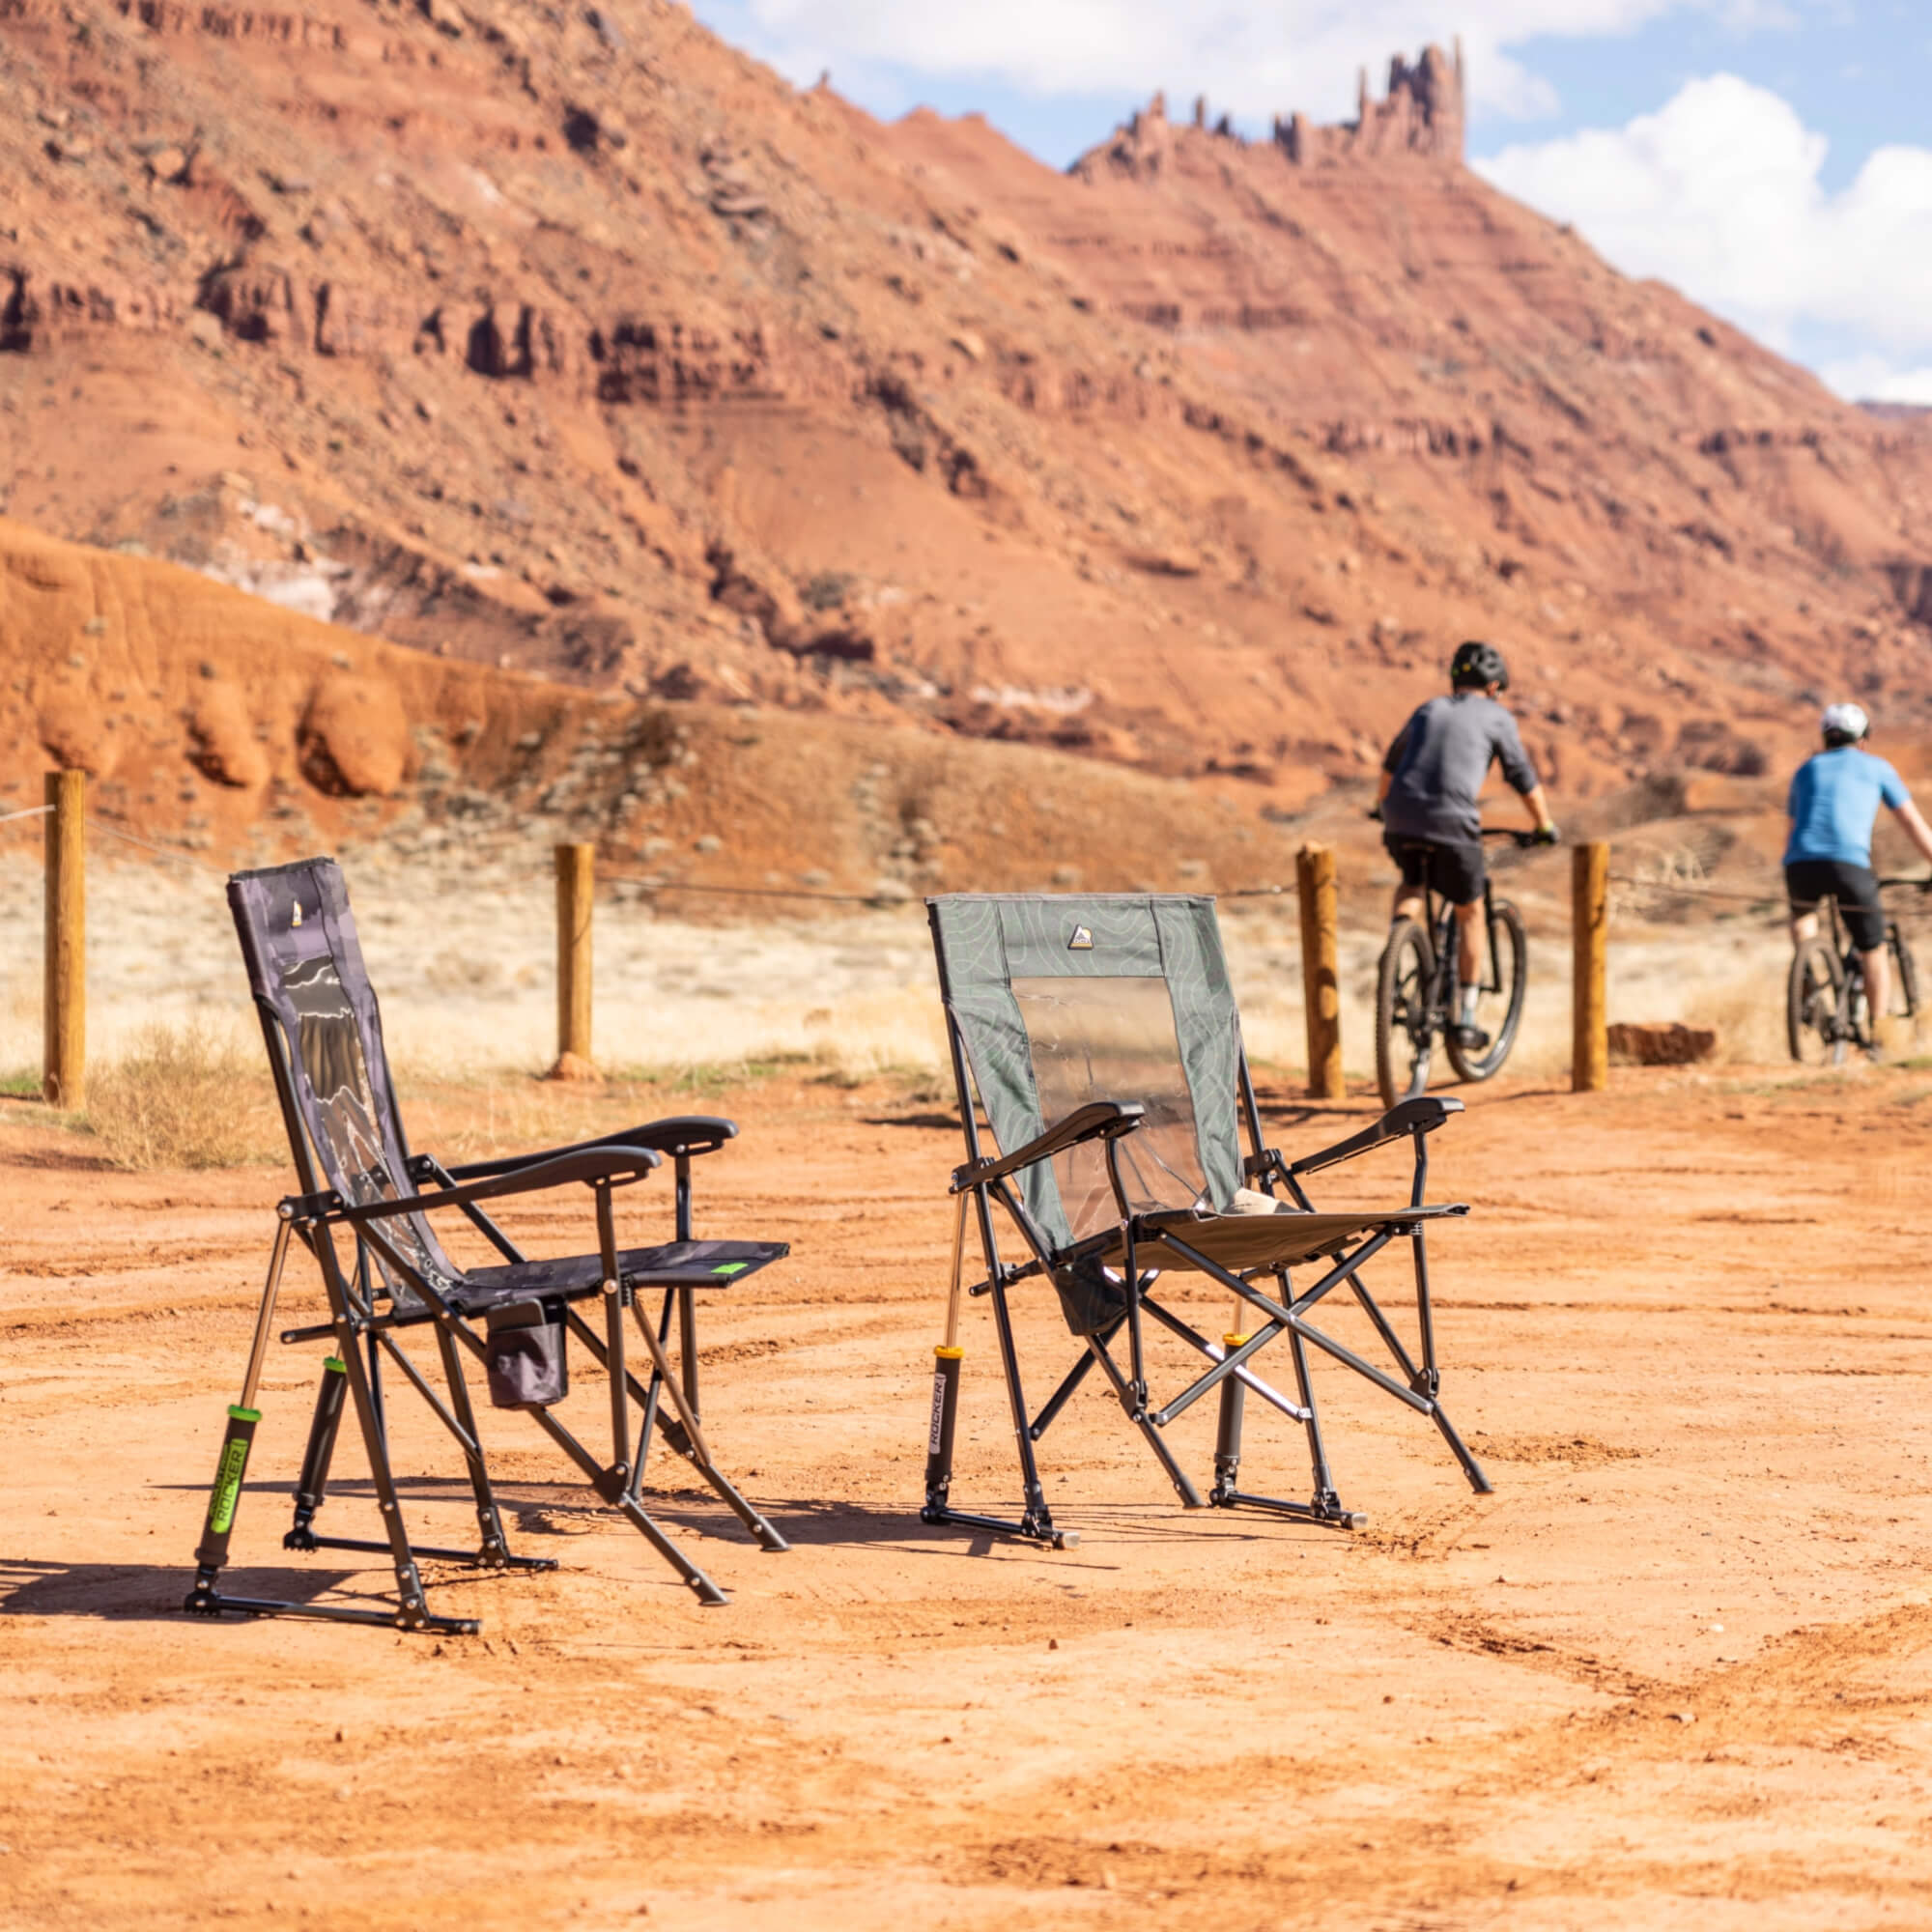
x=1096, y=1119
x=586, y=1164
x=1420, y=1116
x=683, y=1133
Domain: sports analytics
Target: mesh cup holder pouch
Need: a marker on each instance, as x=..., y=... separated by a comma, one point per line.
x=1089, y=1297
x=527, y=1368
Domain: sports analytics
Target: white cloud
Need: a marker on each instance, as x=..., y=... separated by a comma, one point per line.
x=1252, y=57
x=1873, y=379
x=1719, y=193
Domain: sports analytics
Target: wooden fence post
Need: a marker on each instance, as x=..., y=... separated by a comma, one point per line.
x=1321, y=970
x=576, y=876
x=1590, y=929
x=64, y=1001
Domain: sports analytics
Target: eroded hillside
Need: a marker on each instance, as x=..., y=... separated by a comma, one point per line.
x=215, y=724
x=580, y=344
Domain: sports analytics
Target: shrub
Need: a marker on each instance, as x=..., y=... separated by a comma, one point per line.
x=180, y=1098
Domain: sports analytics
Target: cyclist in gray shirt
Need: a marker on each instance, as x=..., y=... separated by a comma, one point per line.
x=1430, y=783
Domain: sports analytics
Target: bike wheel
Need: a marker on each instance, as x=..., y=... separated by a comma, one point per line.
x=1404, y=1029
x=1499, y=1013
x=1814, y=1000
x=1905, y=995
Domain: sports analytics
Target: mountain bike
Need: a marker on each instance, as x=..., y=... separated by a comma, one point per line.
x=1825, y=1006
x=1418, y=991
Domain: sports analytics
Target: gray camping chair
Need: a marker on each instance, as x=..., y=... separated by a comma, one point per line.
x=361, y=1186
x=1102, y=1037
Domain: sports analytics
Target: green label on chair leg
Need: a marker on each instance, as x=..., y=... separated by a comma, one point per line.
x=228, y=1485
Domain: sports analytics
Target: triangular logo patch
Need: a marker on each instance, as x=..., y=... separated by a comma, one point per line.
x=296, y=918
x=1082, y=939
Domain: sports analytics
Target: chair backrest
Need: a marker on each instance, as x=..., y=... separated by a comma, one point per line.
x=305, y=967
x=1061, y=1000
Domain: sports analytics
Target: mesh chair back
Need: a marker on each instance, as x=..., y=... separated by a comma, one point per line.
x=305, y=966
x=1059, y=1000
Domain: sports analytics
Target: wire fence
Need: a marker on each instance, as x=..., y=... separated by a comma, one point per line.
x=1769, y=901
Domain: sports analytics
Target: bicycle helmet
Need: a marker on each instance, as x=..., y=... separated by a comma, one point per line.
x=1844, y=724
x=1479, y=664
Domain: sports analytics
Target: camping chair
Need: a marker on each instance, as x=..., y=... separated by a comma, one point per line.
x=1101, y=1035
x=362, y=1188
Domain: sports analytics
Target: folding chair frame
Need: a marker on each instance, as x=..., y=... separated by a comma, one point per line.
x=364, y=1333
x=983, y=1182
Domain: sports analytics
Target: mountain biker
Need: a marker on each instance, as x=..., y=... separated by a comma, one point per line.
x=1833, y=807
x=1427, y=802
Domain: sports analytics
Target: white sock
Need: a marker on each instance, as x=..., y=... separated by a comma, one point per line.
x=1469, y=1005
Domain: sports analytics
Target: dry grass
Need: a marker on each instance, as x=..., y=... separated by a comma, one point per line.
x=182, y=1097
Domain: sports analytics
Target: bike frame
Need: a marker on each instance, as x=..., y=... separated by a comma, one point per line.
x=1852, y=960
x=1440, y=922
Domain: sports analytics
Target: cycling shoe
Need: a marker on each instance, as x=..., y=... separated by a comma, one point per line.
x=1473, y=1038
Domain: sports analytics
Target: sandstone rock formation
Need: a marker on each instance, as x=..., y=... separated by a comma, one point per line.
x=1659, y=1043
x=231, y=730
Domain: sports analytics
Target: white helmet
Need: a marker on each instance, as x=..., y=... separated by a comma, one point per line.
x=1845, y=721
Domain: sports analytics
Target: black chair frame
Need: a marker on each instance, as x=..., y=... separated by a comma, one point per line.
x=367, y=1318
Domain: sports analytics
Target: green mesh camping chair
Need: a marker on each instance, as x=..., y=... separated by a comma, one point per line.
x=1101, y=1036
x=363, y=1213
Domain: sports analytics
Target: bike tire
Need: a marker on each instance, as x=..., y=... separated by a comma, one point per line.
x=1908, y=973
x=1814, y=996
x=1512, y=942
x=1405, y=1027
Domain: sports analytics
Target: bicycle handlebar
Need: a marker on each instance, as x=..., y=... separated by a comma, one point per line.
x=1526, y=840
x=1924, y=885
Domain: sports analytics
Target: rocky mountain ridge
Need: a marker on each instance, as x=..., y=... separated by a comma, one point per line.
x=576, y=343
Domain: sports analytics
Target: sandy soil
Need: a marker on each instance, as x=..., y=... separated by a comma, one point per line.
x=1677, y=1671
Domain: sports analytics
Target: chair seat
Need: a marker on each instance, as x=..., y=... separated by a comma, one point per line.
x=1243, y=1243
x=675, y=1264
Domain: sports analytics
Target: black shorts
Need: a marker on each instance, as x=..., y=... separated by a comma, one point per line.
x=1451, y=867
x=1854, y=886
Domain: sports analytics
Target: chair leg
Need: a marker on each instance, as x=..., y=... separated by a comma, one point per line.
x=611, y=1488
x=312, y=1485
x=493, y=1550
x=708, y=1592
x=653, y=1395
x=1324, y=1505
x=699, y=1453
x=1425, y=1380
x=1228, y=1440
x=689, y=1444
x=1473, y=1469
x=1036, y=1525
x=1184, y=1485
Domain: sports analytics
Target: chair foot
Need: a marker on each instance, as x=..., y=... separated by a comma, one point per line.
x=206, y=1601
x=764, y=1533
x=1033, y=1529
x=1471, y=1468
x=706, y=1591
x=476, y=1559
x=1328, y=1512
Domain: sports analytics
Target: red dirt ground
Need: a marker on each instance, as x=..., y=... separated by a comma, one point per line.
x=1676, y=1671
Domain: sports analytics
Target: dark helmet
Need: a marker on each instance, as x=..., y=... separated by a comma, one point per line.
x=1479, y=664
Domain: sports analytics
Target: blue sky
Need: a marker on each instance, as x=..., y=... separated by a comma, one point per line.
x=1772, y=157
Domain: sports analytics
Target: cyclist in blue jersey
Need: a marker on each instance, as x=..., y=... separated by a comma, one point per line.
x=1833, y=806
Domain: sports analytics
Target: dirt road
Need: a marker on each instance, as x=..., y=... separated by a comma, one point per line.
x=1676, y=1671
